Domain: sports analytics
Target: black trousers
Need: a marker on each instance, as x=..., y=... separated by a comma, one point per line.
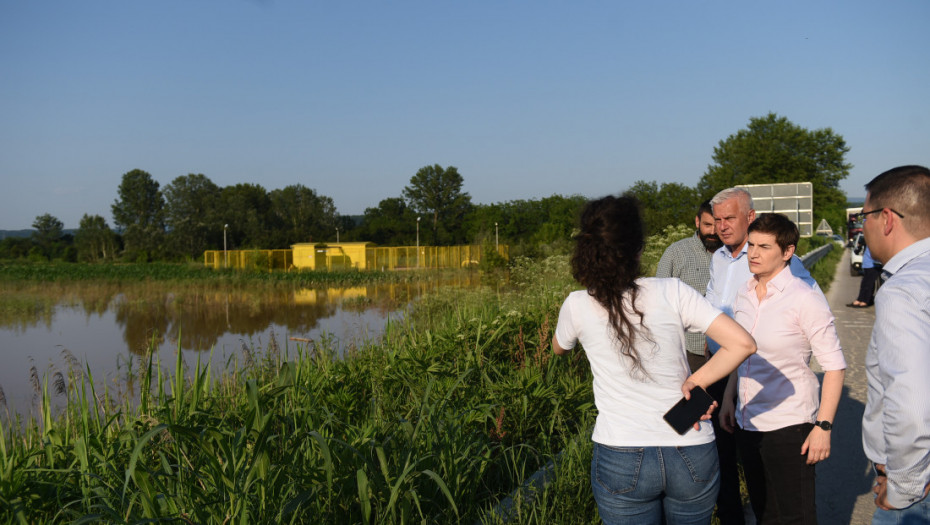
x=729, y=501
x=867, y=284
x=780, y=482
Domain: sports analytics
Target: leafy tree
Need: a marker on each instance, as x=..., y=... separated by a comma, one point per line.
x=192, y=215
x=561, y=218
x=530, y=227
x=303, y=215
x=140, y=214
x=772, y=149
x=666, y=205
x=95, y=241
x=349, y=227
x=247, y=209
x=48, y=231
x=15, y=247
x=437, y=192
x=391, y=223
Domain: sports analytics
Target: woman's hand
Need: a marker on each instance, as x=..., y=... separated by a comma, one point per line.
x=816, y=446
x=686, y=389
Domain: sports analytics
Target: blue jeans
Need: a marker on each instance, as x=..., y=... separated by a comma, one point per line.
x=640, y=485
x=916, y=514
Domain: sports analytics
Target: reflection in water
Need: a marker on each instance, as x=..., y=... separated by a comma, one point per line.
x=107, y=325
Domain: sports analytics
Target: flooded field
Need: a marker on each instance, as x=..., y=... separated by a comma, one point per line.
x=111, y=328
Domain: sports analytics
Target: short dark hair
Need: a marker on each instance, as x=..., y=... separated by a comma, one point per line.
x=785, y=232
x=905, y=189
x=705, y=207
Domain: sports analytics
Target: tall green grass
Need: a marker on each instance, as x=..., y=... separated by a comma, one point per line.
x=437, y=422
x=440, y=421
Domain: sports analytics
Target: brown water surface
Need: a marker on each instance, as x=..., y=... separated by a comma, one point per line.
x=110, y=328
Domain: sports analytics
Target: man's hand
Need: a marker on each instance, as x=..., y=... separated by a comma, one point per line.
x=727, y=416
x=881, y=488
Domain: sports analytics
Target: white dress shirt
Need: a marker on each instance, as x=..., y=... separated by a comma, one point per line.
x=896, y=422
x=728, y=273
x=777, y=387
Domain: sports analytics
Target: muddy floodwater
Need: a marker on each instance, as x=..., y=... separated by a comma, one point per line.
x=111, y=329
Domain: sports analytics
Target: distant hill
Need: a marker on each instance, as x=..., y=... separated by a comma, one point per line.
x=28, y=233
x=15, y=233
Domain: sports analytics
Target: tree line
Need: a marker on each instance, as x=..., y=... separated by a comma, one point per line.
x=192, y=214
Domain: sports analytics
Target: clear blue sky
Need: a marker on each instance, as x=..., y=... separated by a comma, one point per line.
x=351, y=98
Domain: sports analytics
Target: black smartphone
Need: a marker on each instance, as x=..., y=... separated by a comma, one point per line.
x=687, y=412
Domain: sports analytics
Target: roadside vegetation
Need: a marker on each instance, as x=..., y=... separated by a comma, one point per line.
x=441, y=421
x=438, y=421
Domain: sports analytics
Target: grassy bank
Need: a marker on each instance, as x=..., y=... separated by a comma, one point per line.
x=825, y=269
x=438, y=422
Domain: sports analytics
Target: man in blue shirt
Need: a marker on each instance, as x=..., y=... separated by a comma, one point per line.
x=896, y=422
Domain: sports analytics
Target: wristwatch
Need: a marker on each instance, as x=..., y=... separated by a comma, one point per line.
x=826, y=425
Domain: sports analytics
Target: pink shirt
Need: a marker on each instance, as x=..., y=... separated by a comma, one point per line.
x=777, y=387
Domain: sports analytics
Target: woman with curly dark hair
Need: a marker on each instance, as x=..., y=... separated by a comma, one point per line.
x=632, y=330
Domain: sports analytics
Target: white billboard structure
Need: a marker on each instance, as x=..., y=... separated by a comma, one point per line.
x=793, y=199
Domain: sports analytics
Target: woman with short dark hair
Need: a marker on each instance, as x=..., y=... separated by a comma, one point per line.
x=783, y=424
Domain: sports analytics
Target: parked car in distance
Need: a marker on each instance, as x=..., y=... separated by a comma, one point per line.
x=855, y=255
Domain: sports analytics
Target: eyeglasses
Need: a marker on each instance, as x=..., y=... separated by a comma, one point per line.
x=862, y=214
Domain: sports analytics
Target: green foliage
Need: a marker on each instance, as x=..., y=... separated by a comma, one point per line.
x=431, y=425
x=533, y=228
x=391, y=223
x=302, y=215
x=825, y=269
x=192, y=214
x=490, y=258
x=772, y=149
x=246, y=208
x=440, y=422
x=437, y=192
x=257, y=261
x=656, y=245
x=95, y=241
x=140, y=213
x=670, y=204
x=15, y=247
x=48, y=231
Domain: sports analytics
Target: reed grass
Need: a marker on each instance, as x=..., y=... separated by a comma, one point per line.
x=439, y=421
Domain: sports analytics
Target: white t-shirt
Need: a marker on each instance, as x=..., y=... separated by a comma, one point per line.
x=630, y=404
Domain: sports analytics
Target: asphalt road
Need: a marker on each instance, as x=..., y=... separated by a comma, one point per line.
x=844, y=480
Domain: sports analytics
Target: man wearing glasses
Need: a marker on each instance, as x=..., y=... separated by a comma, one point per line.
x=896, y=422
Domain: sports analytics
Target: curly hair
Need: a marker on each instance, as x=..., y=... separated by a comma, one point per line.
x=606, y=261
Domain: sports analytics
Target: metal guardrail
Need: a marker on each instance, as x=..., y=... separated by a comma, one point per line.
x=506, y=510
x=810, y=258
